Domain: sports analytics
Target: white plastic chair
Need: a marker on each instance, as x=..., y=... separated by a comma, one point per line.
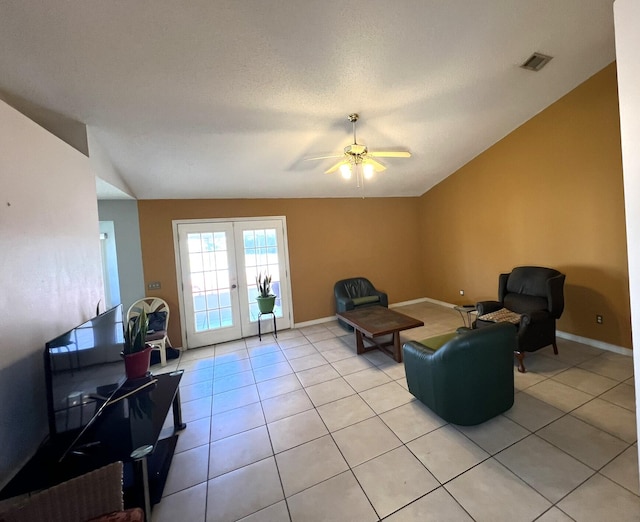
x=158, y=339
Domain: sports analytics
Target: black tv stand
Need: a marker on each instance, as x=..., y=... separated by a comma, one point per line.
x=128, y=430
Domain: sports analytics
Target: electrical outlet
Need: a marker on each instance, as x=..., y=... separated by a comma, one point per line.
x=599, y=319
x=461, y=292
x=154, y=285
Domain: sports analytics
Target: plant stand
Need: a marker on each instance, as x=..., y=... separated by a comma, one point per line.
x=275, y=329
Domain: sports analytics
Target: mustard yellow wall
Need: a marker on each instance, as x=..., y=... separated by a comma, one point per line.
x=329, y=239
x=550, y=194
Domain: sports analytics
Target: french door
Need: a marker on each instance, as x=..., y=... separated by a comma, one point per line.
x=218, y=262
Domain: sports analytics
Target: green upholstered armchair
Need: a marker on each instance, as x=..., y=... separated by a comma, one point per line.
x=469, y=378
x=357, y=292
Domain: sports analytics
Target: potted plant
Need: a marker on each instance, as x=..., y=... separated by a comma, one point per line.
x=136, y=352
x=266, y=299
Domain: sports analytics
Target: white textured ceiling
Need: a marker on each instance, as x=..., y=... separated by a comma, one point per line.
x=225, y=98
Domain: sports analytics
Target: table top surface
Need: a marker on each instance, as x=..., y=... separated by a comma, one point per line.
x=137, y=420
x=378, y=320
x=465, y=308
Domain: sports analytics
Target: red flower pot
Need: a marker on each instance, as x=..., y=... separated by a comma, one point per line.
x=136, y=365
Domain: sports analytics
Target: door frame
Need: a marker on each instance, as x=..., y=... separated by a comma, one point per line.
x=178, y=266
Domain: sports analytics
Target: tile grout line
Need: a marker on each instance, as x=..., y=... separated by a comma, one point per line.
x=378, y=415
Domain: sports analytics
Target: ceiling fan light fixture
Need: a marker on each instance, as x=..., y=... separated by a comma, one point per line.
x=345, y=170
x=357, y=160
x=367, y=170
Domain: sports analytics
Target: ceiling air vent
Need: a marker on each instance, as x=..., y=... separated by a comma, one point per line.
x=536, y=61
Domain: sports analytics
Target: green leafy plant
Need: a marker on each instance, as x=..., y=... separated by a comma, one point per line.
x=135, y=333
x=263, y=282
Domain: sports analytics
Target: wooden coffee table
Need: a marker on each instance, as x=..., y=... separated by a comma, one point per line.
x=375, y=321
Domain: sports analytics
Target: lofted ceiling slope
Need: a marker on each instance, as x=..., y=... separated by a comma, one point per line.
x=226, y=99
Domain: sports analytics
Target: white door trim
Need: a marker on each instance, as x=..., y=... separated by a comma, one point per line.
x=176, y=251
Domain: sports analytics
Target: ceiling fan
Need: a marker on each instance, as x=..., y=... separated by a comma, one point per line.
x=358, y=158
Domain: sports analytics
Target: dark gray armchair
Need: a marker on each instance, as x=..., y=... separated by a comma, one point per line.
x=357, y=292
x=536, y=295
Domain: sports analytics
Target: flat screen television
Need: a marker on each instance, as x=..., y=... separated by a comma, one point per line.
x=83, y=368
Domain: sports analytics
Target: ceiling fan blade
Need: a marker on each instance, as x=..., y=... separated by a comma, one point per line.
x=324, y=157
x=379, y=167
x=336, y=166
x=390, y=154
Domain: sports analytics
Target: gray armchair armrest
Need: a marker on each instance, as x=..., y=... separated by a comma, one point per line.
x=384, y=300
x=418, y=367
x=486, y=307
x=533, y=317
x=418, y=349
x=344, y=304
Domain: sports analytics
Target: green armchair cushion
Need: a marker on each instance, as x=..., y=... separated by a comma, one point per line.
x=357, y=301
x=501, y=315
x=433, y=343
x=469, y=379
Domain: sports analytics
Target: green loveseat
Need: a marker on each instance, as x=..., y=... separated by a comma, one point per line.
x=466, y=377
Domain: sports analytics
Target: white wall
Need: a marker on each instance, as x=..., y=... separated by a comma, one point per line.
x=627, y=24
x=124, y=214
x=102, y=165
x=110, y=276
x=50, y=271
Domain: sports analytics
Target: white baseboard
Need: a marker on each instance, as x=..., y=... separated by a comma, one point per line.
x=314, y=321
x=394, y=305
x=563, y=335
x=414, y=301
x=427, y=299
x=595, y=343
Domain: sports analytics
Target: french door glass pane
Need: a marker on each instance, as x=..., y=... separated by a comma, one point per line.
x=210, y=284
x=261, y=256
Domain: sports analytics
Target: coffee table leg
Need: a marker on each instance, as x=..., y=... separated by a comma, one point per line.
x=359, y=342
x=396, y=346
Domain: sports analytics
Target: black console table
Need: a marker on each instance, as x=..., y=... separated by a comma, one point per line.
x=128, y=429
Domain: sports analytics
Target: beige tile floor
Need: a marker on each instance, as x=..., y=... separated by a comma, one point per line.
x=302, y=429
